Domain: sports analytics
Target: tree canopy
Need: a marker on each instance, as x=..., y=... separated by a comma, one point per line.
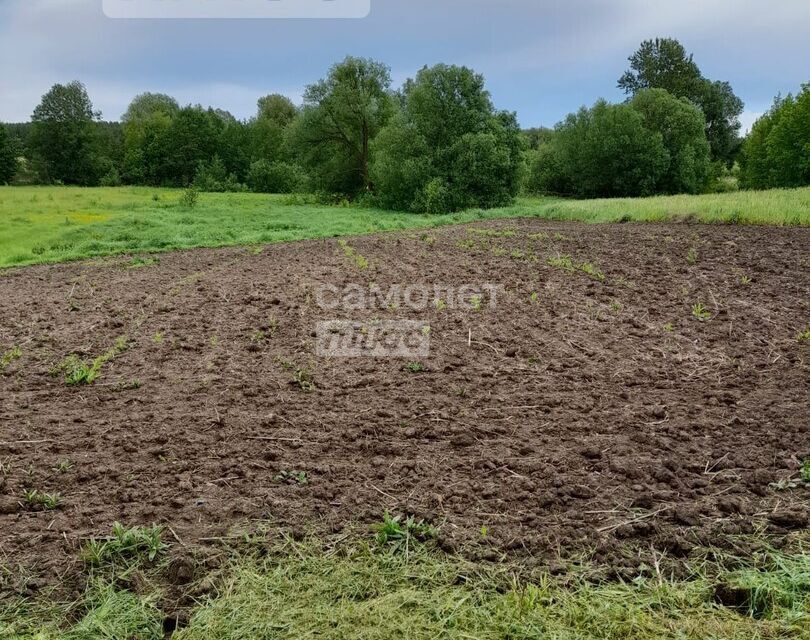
x=8, y=157
x=448, y=148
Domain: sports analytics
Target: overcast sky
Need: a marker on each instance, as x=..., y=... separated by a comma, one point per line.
x=541, y=58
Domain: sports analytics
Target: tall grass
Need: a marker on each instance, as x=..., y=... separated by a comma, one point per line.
x=53, y=224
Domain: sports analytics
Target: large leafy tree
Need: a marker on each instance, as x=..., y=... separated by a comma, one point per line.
x=268, y=129
x=663, y=63
x=8, y=156
x=682, y=128
x=341, y=116
x=605, y=151
x=63, y=136
x=449, y=148
x=192, y=140
x=777, y=151
x=146, y=141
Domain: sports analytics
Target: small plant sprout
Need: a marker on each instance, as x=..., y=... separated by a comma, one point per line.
x=350, y=252
x=414, y=367
x=804, y=472
x=426, y=330
x=258, y=336
x=36, y=498
x=292, y=477
x=127, y=544
x=700, y=312
x=77, y=371
x=475, y=302
x=158, y=337
x=804, y=337
x=402, y=535
x=534, y=297
x=669, y=327
x=615, y=306
x=440, y=304
x=745, y=280
x=692, y=255
x=302, y=376
x=15, y=353
x=63, y=466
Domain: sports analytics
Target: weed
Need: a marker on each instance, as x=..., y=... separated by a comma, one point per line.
x=745, y=280
x=615, y=306
x=350, y=252
x=125, y=544
x=440, y=304
x=517, y=254
x=158, y=337
x=299, y=478
x=426, y=330
x=272, y=326
x=692, y=255
x=803, y=337
x=302, y=376
x=155, y=197
x=402, y=535
x=15, y=353
x=37, y=498
x=138, y=262
x=539, y=236
x=475, y=302
x=213, y=341
x=63, y=466
x=669, y=327
x=700, y=312
x=190, y=198
x=567, y=264
x=258, y=336
x=414, y=367
x=804, y=472
x=77, y=371
x=5, y=466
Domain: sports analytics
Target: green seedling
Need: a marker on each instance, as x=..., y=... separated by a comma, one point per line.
x=700, y=312
x=692, y=255
x=401, y=535
x=15, y=353
x=805, y=470
x=77, y=371
x=37, y=498
x=414, y=367
x=440, y=305
x=158, y=337
x=803, y=337
x=63, y=466
x=745, y=280
x=668, y=327
x=350, y=252
x=292, y=477
x=125, y=544
x=475, y=302
x=534, y=297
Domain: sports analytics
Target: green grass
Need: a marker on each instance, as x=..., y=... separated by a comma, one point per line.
x=54, y=224
x=382, y=589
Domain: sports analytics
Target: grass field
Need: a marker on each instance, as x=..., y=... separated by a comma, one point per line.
x=394, y=587
x=54, y=224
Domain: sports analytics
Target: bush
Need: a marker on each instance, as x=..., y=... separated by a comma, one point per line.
x=111, y=179
x=214, y=177
x=190, y=197
x=274, y=177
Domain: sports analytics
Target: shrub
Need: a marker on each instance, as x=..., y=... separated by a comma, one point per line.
x=111, y=179
x=214, y=177
x=274, y=177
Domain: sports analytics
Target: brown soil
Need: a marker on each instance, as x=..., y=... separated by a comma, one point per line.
x=572, y=421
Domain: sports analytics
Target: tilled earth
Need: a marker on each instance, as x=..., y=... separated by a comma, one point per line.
x=568, y=414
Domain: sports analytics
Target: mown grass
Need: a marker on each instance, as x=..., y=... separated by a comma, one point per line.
x=369, y=590
x=54, y=224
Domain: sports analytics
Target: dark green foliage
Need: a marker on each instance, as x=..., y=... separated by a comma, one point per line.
x=777, y=151
x=342, y=114
x=448, y=149
x=213, y=177
x=604, y=151
x=664, y=64
x=274, y=177
x=8, y=157
x=63, y=138
x=682, y=128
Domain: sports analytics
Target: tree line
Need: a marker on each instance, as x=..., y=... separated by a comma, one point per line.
x=435, y=144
